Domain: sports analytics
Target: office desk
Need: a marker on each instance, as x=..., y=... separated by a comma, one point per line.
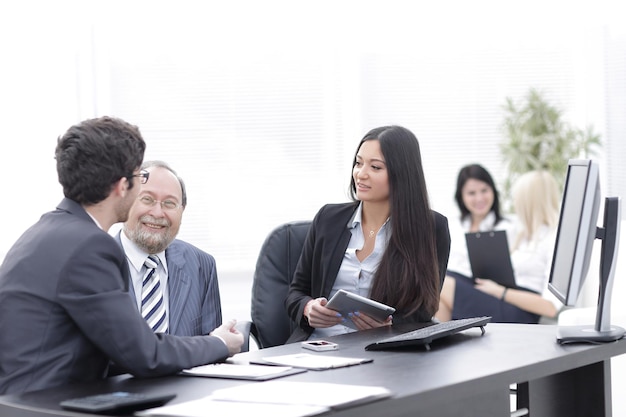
x=463, y=375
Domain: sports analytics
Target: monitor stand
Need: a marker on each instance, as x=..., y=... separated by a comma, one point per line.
x=603, y=331
x=588, y=334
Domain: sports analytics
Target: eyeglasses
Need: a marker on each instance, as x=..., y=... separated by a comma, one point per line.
x=148, y=201
x=143, y=176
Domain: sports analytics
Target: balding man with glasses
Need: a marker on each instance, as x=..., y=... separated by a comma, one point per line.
x=174, y=284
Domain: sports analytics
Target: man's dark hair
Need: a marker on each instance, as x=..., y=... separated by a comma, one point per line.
x=94, y=154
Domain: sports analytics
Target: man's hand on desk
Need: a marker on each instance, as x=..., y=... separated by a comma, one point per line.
x=231, y=337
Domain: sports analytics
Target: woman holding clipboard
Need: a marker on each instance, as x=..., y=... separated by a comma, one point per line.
x=479, y=204
x=531, y=240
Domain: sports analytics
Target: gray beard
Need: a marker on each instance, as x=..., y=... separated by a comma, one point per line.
x=149, y=242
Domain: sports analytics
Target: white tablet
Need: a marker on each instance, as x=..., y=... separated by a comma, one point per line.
x=346, y=302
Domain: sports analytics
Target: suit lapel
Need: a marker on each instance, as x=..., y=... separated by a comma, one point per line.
x=129, y=282
x=178, y=284
x=336, y=257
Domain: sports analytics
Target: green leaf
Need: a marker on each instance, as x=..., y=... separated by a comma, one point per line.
x=537, y=137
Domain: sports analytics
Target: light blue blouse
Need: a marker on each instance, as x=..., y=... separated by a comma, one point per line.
x=356, y=276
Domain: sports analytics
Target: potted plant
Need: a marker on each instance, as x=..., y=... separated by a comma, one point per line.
x=537, y=137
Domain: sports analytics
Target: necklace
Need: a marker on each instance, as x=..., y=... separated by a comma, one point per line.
x=373, y=232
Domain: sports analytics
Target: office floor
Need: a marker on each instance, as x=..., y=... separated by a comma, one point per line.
x=236, y=287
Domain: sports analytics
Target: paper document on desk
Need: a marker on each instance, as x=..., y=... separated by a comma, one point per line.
x=302, y=393
x=312, y=361
x=208, y=406
x=274, y=398
x=242, y=371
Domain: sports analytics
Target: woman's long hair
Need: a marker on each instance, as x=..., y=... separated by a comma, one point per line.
x=536, y=201
x=408, y=274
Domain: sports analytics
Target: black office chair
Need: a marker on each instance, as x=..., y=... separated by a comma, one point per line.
x=278, y=257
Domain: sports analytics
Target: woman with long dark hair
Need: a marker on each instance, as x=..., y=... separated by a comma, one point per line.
x=387, y=244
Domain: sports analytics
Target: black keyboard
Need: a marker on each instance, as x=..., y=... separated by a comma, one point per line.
x=426, y=335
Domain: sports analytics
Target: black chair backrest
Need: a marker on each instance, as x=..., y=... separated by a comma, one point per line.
x=273, y=273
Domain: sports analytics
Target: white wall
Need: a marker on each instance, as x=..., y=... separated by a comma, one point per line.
x=259, y=105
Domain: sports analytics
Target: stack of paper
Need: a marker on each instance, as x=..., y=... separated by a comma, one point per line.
x=242, y=371
x=311, y=361
x=303, y=393
x=276, y=398
x=209, y=407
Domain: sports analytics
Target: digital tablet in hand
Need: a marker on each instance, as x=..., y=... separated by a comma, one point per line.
x=346, y=302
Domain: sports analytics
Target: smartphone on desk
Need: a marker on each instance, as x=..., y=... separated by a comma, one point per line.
x=119, y=402
x=319, y=345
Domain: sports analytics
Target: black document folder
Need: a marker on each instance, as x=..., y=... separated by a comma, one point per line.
x=490, y=258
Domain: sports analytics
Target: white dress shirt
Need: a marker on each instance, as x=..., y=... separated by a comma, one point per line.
x=532, y=261
x=136, y=257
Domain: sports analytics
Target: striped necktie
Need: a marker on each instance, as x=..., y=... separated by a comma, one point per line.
x=152, y=303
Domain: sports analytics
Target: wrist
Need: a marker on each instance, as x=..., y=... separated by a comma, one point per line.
x=307, y=309
x=221, y=338
x=504, y=294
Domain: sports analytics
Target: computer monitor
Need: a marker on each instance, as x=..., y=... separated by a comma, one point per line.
x=576, y=232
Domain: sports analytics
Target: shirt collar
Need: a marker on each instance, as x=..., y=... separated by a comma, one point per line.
x=94, y=219
x=487, y=224
x=356, y=217
x=137, y=256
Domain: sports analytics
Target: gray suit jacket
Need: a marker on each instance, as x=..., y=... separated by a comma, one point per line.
x=65, y=311
x=194, y=297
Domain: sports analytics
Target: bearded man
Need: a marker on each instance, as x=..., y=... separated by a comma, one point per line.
x=184, y=298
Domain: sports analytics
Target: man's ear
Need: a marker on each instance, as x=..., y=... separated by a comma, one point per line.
x=121, y=187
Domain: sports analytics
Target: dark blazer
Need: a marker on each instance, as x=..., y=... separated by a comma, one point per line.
x=194, y=297
x=322, y=254
x=65, y=311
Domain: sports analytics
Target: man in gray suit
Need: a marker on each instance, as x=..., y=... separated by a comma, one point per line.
x=65, y=311
x=187, y=275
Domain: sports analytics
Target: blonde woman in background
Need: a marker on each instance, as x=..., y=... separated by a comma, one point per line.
x=536, y=200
